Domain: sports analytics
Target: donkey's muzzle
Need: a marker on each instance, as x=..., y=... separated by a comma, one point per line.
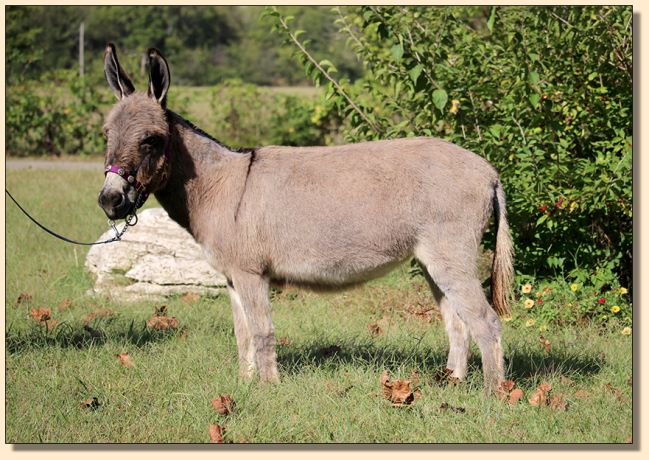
x=114, y=203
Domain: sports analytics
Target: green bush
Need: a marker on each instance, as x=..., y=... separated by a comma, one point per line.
x=544, y=93
x=54, y=118
x=243, y=114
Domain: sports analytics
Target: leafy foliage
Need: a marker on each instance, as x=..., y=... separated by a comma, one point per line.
x=544, y=93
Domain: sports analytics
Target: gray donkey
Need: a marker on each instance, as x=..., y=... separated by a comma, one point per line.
x=314, y=216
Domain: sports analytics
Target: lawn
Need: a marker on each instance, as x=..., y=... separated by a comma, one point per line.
x=330, y=359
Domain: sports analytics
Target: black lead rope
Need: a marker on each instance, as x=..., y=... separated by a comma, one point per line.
x=130, y=221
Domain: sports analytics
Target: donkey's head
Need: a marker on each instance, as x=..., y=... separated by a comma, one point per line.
x=137, y=136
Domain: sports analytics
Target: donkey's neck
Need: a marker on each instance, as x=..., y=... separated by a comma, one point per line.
x=205, y=177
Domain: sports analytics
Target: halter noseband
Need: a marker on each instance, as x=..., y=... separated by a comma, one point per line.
x=130, y=176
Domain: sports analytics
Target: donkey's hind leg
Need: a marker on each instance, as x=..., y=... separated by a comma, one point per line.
x=458, y=334
x=467, y=300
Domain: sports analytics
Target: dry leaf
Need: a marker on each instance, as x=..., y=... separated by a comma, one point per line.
x=216, y=433
x=504, y=389
x=41, y=314
x=283, y=341
x=51, y=324
x=92, y=404
x=124, y=360
x=99, y=313
x=415, y=377
x=515, y=396
x=618, y=394
x=24, y=297
x=375, y=329
x=457, y=410
x=582, y=394
x=223, y=404
x=558, y=402
x=398, y=392
x=546, y=344
x=190, y=297
x=162, y=323
x=64, y=305
x=540, y=396
x=444, y=377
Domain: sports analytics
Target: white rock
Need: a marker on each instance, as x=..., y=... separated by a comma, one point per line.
x=155, y=258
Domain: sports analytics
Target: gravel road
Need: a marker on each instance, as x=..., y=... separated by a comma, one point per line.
x=52, y=164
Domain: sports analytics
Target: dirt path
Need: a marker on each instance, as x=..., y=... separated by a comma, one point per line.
x=15, y=163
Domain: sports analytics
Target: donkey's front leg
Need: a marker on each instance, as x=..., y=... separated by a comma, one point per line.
x=249, y=295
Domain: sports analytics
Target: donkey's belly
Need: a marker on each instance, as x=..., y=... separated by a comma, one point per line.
x=334, y=273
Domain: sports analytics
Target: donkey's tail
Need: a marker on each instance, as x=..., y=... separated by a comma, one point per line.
x=502, y=271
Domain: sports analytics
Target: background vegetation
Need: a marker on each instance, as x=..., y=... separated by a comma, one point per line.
x=544, y=93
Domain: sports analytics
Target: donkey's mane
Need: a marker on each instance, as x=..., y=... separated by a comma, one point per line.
x=212, y=138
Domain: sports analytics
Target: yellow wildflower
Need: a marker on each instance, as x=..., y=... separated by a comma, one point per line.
x=623, y=291
x=455, y=106
x=626, y=331
x=615, y=309
x=574, y=287
x=526, y=289
x=530, y=322
x=529, y=303
x=543, y=328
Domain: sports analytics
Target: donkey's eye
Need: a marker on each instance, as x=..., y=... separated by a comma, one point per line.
x=152, y=143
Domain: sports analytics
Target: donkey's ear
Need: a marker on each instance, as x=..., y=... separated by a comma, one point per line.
x=159, y=77
x=117, y=78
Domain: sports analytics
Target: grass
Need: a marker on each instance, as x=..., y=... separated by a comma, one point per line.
x=329, y=360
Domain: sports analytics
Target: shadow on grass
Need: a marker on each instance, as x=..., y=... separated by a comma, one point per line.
x=526, y=369
x=66, y=335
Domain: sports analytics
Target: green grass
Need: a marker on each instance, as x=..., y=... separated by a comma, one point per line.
x=330, y=365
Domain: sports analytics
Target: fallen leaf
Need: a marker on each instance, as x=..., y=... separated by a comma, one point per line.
x=558, y=402
x=283, y=341
x=582, y=394
x=41, y=314
x=618, y=394
x=24, y=297
x=398, y=392
x=124, y=360
x=546, y=344
x=515, y=396
x=504, y=389
x=99, y=313
x=216, y=433
x=444, y=377
x=540, y=396
x=223, y=404
x=162, y=323
x=64, y=305
x=375, y=329
x=457, y=410
x=92, y=404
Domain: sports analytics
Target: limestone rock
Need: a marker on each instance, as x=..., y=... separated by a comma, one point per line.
x=155, y=258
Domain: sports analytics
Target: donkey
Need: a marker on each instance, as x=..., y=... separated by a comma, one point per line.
x=314, y=216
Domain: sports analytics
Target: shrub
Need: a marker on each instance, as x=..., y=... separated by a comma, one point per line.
x=544, y=93
x=45, y=119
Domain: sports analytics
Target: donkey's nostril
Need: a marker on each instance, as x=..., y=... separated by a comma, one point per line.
x=111, y=200
x=117, y=200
